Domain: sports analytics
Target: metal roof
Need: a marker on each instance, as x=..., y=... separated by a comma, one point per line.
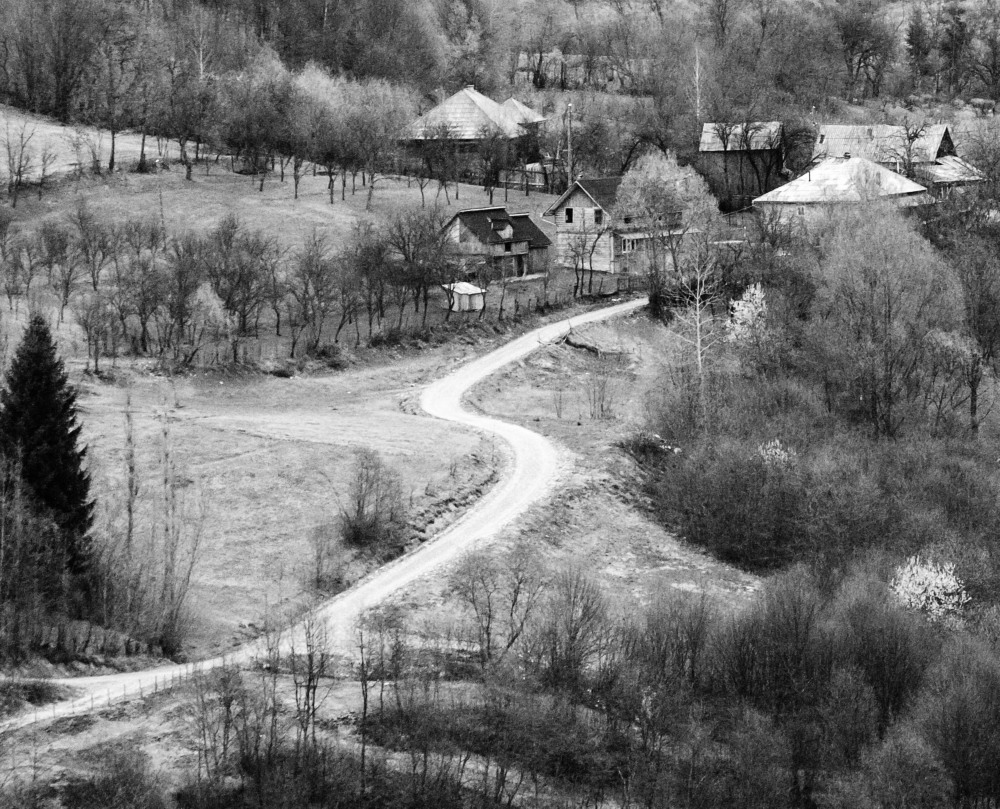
x=950, y=170
x=743, y=137
x=467, y=115
x=845, y=180
x=882, y=143
x=463, y=288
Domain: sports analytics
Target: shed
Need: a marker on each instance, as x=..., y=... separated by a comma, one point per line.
x=464, y=297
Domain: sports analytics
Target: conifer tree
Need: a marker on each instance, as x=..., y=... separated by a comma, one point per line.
x=39, y=434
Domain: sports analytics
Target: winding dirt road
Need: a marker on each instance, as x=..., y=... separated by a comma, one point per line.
x=531, y=473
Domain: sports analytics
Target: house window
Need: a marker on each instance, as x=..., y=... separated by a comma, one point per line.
x=507, y=247
x=802, y=211
x=598, y=216
x=569, y=216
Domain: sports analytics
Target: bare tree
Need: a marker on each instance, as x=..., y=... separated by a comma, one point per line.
x=19, y=159
x=502, y=591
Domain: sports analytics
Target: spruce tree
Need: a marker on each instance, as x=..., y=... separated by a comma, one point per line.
x=39, y=435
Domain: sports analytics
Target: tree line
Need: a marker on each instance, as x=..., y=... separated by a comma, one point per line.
x=136, y=289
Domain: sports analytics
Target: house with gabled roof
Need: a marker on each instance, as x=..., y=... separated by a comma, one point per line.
x=592, y=234
x=513, y=243
x=837, y=182
x=930, y=158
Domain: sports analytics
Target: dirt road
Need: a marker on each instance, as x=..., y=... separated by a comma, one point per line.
x=531, y=472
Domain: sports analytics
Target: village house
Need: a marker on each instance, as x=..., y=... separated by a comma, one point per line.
x=589, y=236
x=926, y=155
x=460, y=125
x=836, y=182
x=512, y=244
x=741, y=161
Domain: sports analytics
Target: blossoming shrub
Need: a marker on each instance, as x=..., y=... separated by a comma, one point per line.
x=930, y=587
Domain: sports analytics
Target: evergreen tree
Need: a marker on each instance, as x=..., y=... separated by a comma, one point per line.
x=39, y=433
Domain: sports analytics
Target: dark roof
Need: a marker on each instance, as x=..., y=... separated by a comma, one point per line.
x=525, y=230
x=486, y=223
x=603, y=190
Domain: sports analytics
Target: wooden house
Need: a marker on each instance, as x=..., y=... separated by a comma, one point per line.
x=741, y=161
x=592, y=234
x=512, y=243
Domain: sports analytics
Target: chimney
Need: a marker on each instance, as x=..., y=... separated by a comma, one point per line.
x=470, y=87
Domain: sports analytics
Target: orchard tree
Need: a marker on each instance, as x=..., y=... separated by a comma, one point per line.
x=40, y=434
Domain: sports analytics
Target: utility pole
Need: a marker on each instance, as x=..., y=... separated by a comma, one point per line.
x=569, y=145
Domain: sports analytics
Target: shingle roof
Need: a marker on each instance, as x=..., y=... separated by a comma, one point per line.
x=486, y=223
x=466, y=114
x=755, y=135
x=840, y=180
x=882, y=143
x=603, y=190
x=525, y=230
x=522, y=112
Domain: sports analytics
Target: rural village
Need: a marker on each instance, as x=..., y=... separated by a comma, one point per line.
x=479, y=404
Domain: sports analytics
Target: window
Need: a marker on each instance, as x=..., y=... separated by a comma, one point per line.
x=507, y=247
x=569, y=216
x=598, y=216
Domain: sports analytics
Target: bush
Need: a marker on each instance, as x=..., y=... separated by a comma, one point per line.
x=123, y=781
x=374, y=515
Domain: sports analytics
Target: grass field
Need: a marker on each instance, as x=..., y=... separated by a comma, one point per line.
x=214, y=192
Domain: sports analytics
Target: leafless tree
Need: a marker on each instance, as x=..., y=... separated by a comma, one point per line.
x=20, y=158
x=502, y=591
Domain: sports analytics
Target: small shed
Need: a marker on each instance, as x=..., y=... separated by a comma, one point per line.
x=464, y=297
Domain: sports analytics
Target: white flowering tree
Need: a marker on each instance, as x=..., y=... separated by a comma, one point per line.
x=930, y=587
x=749, y=316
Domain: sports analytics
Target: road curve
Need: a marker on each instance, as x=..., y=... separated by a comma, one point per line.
x=529, y=477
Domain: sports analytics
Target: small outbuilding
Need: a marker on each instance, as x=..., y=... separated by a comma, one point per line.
x=464, y=297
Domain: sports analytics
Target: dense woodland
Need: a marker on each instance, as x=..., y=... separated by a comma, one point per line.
x=332, y=82
x=828, y=420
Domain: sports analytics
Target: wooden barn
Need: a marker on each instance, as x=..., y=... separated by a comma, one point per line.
x=741, y=161
x=513, y=244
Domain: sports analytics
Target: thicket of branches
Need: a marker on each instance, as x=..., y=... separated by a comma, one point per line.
x=136, y=289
